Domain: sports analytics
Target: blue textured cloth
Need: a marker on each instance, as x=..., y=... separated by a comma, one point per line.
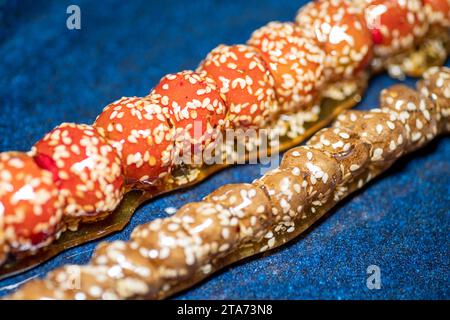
x=49, y=74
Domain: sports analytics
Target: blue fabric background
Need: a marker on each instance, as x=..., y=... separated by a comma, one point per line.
x=49, y=74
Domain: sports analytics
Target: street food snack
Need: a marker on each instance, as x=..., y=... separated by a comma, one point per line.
x=168, y=255
x=289, y=81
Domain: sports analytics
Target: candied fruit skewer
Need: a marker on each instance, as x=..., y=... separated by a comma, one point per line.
x=276, y=81
x=240, y=220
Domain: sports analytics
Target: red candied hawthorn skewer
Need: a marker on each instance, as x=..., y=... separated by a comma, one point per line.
x=88, y=168
x=296, y=63
x=30, y=205
x=140, y=132
x=396, y=25
x=246, y=82
x=340, y=28
x=195, y=108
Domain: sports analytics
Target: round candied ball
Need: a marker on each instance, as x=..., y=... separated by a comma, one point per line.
x=436, y=86
x=140, y=132
x=126, y=264
x=87, y=282
x=416, y=112
x=438, y=12
x=38, y=289
x=249, y=204
x=168, y=246
x=323, y=173
x=381, y=130
x=437, y=80
x=195, y=108
x=88, y=169
x=214, y=227
x=30, y=205
x=246, y=83
x=352, y=154
x=396, y=25
x=296, y=63
x=341, y=29
x=286, y=190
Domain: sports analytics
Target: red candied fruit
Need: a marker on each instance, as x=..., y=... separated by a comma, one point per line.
x=140, y=132
x=438, y=12
x=341, y=29
x=396, y=25
x=246, y=82
x=30, y=205
x=295, y=61
x=88, y=168
x=195, y=109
